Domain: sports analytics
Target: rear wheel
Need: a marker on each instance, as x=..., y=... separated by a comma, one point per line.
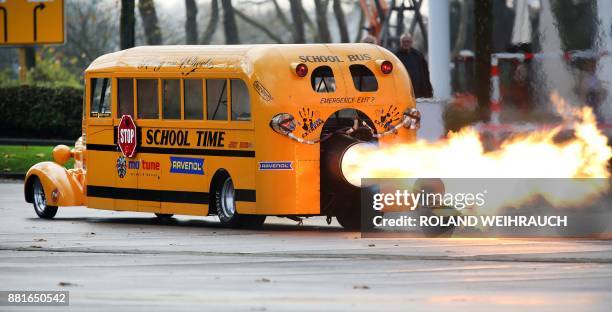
x=39, y=201
x=349, y=219
x=225, y=203
x=164, y=216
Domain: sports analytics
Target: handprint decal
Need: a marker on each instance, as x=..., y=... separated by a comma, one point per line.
x=309, y=120
x=306, y=114
x=388, y=117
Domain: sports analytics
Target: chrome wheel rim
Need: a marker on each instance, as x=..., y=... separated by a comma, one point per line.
x=228, y=205
x=39, y=197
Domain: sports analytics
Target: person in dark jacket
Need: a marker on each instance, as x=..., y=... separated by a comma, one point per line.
x=416, y=65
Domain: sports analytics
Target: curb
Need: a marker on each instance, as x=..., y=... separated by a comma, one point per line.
x=38, y=142
x=12, y=176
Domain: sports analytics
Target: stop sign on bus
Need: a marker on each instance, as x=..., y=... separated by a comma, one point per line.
x=126, y=136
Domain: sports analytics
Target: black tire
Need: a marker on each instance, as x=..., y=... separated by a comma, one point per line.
x=354, y=219
x=349, y=221
x=225, y=206
x=164, y=216
x=39, y=201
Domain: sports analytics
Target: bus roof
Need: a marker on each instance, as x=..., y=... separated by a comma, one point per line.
x=225, y=57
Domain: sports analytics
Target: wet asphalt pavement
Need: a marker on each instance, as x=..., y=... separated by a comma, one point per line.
x=125, y=261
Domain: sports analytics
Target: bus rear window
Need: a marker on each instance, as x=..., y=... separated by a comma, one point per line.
x=216, y=99
x=241, y=103
x=171, y=98
x=100, y=102
x=363, y=78
x=125, y=88
x=148, y=102
x=322, y=79
x=194, y=101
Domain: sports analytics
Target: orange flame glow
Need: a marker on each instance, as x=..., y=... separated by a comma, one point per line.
x=462, y=155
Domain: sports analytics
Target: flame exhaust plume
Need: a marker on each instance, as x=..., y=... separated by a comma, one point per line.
x=462, y=155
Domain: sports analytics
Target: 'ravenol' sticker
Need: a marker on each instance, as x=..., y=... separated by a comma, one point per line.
x=186, y=165
x=275, y=165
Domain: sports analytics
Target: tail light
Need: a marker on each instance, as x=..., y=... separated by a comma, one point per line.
x=301, y=70
x=386, y=67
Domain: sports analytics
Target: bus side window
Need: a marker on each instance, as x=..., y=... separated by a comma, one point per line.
x=146, y=93
x=363, y=78
x=216, y=99
x=125, y=89
x=241, y=103
x=322, y=79
x=171, y=97
x=100, y=103
x=194, y=99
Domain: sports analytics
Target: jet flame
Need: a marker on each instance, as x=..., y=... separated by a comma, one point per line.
x=526, y=155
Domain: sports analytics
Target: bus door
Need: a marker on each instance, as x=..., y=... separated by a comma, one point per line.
x=101, y=156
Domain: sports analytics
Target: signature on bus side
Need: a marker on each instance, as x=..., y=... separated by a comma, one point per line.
x=187, y=64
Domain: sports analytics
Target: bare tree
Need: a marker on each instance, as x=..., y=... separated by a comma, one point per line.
x=281, y=15
x=127, y=29
x=229, y=23
x=360, y=25
x=259, y=26
x=312, y=29
x=149, y=21
x=91, y=32
x=322, y=26
x=341, y=19
x=191, y=24
x=298, y=21
x=212, y=23
x=463, y=26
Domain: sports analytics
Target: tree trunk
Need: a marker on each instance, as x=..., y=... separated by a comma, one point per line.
x=344, y=36
x=298, y=21
x=126, y=27
x=191, y=24
x=281, y=14
x=311, y=26
x=462, y=31
x=229, y=23
x=360, y=25
x=149, y=21
x=323, y=28
x=482, y=61
x=30, y=57
x=212, y=23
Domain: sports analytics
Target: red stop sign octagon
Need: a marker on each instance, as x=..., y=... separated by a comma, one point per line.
x=126, y=136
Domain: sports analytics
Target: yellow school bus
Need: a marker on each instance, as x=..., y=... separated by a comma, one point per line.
x=241, y=132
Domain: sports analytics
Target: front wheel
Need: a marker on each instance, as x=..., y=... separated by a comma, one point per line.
x=225, y=202
x=39, y=201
